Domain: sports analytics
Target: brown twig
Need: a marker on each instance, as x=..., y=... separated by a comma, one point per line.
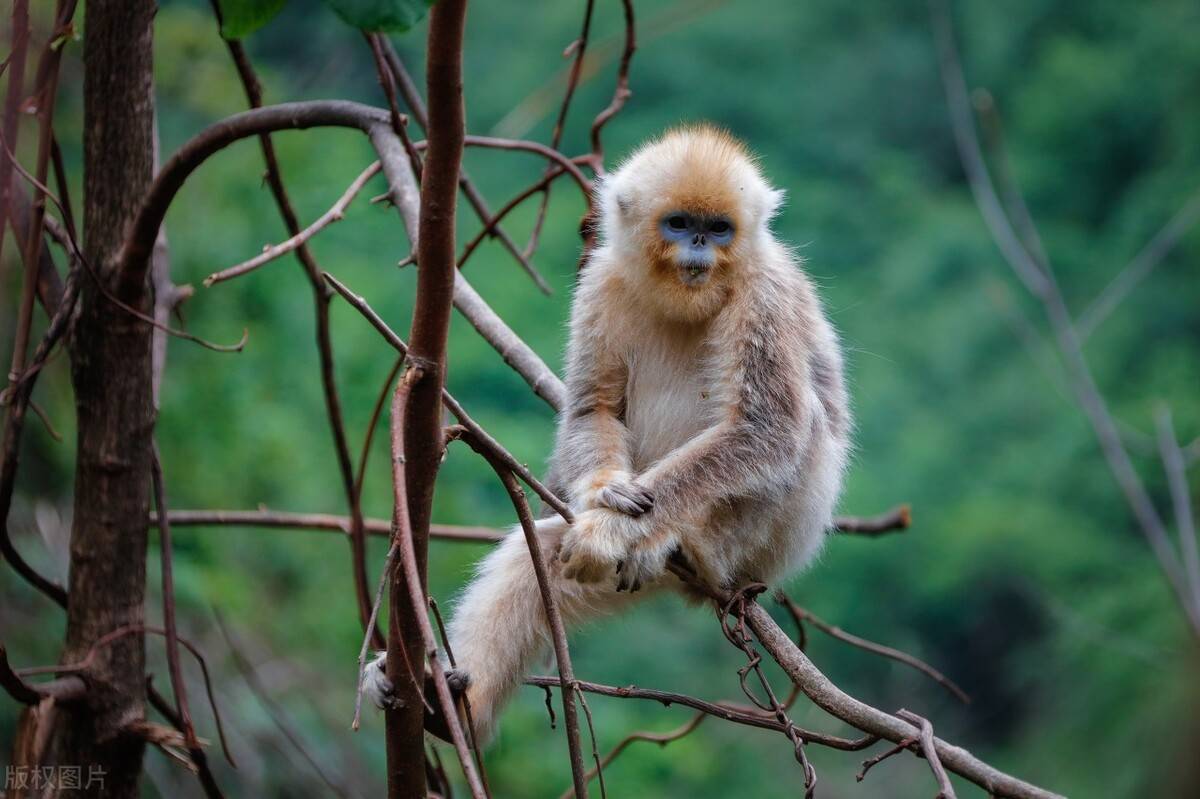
x=621, y=94
x=578, y=48
x=317, y=521
x=722, y=710
x=871, y=720
x=662, y=739
x=199, y=759
x=82, y=666
x=801, y=615
x=895, y=520
x=409, y=580
x=945, y=789
x=276, y=713
x=366, y=644
x=489, y=226
x=387, y=80
x=875, y=760
x=335, y=214
x=323, y=521
x=737, y=635
x=64, y=689
x=9, y=129
x=14, y=422
x=412, y=97
x=178, y=687
x=102, y=286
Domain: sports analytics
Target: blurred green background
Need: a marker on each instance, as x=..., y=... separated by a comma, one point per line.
x=1023, y=578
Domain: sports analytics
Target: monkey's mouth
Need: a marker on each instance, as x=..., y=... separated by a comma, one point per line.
x=695, y=266
x=694, y=274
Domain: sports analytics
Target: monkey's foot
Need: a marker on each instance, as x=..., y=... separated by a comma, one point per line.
x=598, y=541
x=375, y=684
x=435, y=719
x=380, y=690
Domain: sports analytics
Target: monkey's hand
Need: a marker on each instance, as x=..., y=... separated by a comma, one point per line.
x=616, y=490
x=646, y=560
x=597, y=542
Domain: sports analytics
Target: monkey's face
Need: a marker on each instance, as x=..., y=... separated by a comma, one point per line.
x=694, y=242
x=687, y=214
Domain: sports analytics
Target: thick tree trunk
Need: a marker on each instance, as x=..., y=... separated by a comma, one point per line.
x=423, y=440
x=111, y=372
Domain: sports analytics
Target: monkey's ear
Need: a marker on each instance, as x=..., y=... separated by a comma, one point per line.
x=624, y=202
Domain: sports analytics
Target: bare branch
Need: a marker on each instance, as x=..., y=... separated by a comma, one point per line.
x=660, y=738
x=621, y=94
x=862, y=716
x=945, y=789
x=63, y=689
x=270, y=253
x=578, y=49
x=897, y=519
x=332, y=523
x=168, y=591
x=1176, y=470
x=410, y=580
x=1142, y=265
x=725, y=711
x=412, y=97
x=1040, y=282
x=316, y=521
x=801, y=615
x=276, y=713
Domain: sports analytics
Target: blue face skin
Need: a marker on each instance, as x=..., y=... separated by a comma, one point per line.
x=696, y=239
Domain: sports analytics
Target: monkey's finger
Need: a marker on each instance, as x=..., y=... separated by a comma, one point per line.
x=624, y=497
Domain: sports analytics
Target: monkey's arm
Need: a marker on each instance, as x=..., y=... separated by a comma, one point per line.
x=592, y=453
x=768, y=418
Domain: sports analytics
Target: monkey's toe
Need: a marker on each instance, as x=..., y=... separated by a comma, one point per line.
x=458, y=680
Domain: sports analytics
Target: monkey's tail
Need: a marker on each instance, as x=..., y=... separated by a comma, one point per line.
x=499, y=628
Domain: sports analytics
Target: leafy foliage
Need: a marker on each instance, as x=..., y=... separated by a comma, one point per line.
x=390, y=16
x=240, y=18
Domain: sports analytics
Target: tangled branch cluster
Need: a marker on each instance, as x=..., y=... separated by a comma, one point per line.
x=423, y=178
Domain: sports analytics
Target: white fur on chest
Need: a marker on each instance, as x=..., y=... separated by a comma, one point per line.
x=668, y=397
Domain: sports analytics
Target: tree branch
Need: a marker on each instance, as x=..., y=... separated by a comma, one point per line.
x=271, y=252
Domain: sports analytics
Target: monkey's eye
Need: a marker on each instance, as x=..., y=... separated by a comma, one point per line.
x=677, y=222
x=720, y=227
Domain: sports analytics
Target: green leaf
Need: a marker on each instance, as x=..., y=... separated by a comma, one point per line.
x=379, y=16
x=240, y=18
